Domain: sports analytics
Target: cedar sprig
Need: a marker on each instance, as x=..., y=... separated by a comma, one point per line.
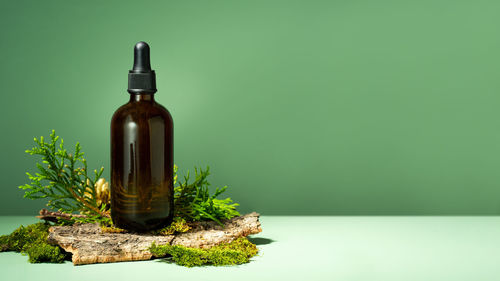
x=193, y=201
x=63, y=178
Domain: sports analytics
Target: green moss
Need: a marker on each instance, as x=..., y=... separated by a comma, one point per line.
x=32, y=240
x=237, y=252
x=178, y=225
x=4, y=243
x=43, y=252
x=112, y=229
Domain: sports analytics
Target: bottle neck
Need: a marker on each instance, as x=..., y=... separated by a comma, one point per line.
x=142, y=97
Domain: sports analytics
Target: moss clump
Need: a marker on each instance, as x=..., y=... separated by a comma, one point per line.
x=178, y=225
x=237, y=252
x=112, y=229
x=32, y=240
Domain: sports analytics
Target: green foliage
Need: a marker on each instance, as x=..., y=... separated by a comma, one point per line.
x=32, y=240
x=63, y=179
x=194, y=202
x=237, y=252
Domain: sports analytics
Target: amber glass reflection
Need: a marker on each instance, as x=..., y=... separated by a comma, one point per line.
x=141, y=165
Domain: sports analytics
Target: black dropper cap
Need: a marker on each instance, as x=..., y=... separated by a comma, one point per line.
x=141, y=79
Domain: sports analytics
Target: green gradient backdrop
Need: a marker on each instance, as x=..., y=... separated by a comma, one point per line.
x=301, y=107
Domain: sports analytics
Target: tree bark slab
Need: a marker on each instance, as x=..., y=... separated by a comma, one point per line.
x=89, y=244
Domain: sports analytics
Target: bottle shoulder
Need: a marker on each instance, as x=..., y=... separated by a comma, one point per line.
x=133, y=111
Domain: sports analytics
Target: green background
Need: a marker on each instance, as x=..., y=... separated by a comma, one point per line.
x=301, y=107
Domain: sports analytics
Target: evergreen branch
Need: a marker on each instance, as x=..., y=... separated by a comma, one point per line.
x=62, y=178
x=193, y=201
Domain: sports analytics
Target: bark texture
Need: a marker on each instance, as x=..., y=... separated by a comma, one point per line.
x=89, y=244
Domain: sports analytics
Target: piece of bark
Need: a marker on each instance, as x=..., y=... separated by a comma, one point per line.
x=53, y=216
x=89, y=244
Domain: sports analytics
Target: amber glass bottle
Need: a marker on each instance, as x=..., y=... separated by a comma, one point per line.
x=141, y=154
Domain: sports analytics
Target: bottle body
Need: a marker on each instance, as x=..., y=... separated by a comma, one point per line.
x=141, y=165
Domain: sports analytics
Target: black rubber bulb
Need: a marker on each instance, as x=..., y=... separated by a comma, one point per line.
x=141, y=58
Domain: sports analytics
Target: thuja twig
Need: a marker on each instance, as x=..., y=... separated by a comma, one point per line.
x=63, y=179
x=194, y=202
